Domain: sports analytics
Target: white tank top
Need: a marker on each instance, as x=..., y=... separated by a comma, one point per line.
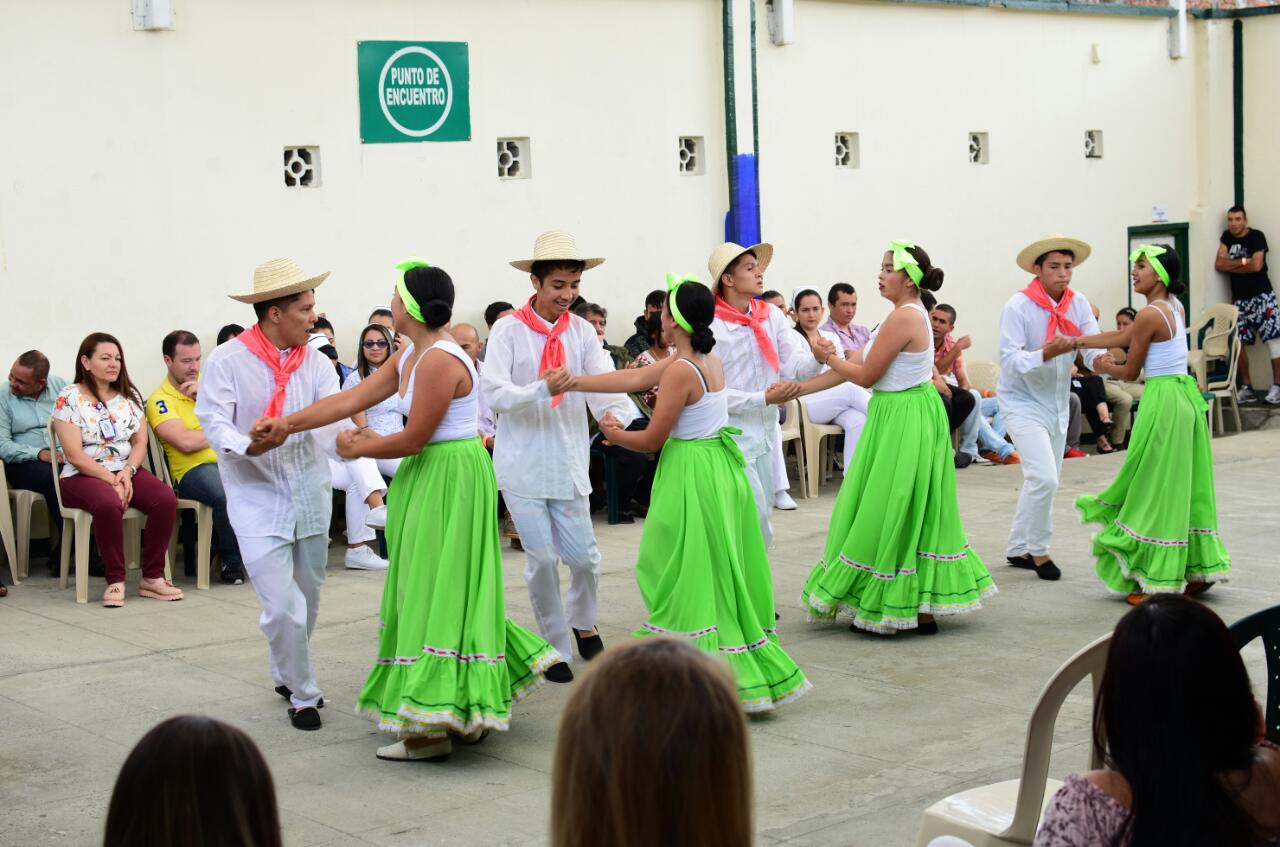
x=705, y=418
x=907, y=370
x=1165, y=358
x=460, y=420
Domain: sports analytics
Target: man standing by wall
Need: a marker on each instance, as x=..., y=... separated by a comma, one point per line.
x=1242, y=256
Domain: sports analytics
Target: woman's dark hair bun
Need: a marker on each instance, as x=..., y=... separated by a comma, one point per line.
x=436, y=313
x=703, y=339
x=932, y=279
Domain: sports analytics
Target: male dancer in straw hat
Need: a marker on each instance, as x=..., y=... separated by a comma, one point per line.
x=1036, y=328
x=541, y=450
x=278, y=494
x=757, y=348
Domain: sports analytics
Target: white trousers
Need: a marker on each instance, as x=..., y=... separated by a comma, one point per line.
x=780, y=481
x=388, y=467
x=358, y=478
x=287, y=576
x=551, y=531
x=1041, y=449
x=845, y=405
x=760, y=475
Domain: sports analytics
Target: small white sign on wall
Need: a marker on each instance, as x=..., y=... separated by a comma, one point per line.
x=1160, y=213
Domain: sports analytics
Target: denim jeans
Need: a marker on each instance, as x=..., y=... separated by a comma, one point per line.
x=202, y=483
x=978, y=434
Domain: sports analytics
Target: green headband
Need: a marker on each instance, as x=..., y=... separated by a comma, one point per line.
x=904, y=261
x=674, y=281
x=410, y=304
x=1149, y=252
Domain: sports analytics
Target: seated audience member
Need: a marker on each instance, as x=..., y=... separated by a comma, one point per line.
x=958, y=404
x=1093, y=402
x=381, y=315
x=26, y=404
x=1075, y=423
x=845, y=405
x=1124, y=319
x=324, y=327
x=194, y=781
x=99, y=421
x=638, y=343
x=1118, y=403
x=842, y=302
x=376, y=345
x=227, y=333
x=653, y=750
x=469, y=340
x=775, y=298
x=1173, y=672
x=658, y=348
x=493, y=313
x=364, y=489
x=978, y=435
x=633, y=481
x=193, y=465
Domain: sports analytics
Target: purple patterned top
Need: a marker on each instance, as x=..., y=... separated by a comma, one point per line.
x=1082, y=815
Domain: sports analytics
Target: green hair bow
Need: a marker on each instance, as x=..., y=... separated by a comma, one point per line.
x=674, y=281
x=1149, y=252
x=410, y=304
x=904, y=261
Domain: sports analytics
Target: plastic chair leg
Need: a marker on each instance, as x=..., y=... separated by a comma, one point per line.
x=23, y=531
x=7, y=533
x=204, y=541
x=82, y=559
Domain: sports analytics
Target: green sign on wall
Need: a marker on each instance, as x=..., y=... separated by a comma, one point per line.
x=414, y=91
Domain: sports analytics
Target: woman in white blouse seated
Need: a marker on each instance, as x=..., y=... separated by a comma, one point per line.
x=844, y=405
x=101, y=426
x=377, y=343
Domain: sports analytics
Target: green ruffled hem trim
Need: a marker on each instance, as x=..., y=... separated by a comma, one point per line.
x=1129, y=561
x=765, y=675
x=417, y=716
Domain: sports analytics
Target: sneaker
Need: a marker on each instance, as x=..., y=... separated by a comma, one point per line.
x=232, y=576
x=782, y=500
x=963, y=460
x=362, y=558
x=1073, y=453
x=1273, y=395
x=1246, y=395
x=981, y=459
x=377, y=518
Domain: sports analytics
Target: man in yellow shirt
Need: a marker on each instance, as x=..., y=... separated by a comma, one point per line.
x=192, y=463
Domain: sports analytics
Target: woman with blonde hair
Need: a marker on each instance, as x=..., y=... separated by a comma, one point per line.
x=653, y=749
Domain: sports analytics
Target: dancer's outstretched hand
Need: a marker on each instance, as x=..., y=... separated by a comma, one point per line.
x=558, y=380
x=782, y=392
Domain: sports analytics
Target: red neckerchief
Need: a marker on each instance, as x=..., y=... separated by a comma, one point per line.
x=754, y=319
x=553, y=355
x=1058, y=319
x=259, y=345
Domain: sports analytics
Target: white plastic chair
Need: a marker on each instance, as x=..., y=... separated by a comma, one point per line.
x=1221, y=342
x=982, y=375
x=16, y=538
x=203, y=512
x=76, y=526
x=1009, y=812
x=790, y=433
x=818, y=448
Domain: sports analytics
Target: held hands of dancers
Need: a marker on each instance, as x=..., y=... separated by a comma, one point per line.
x=1057, y=346
x=823, y=349
x=558, y=380
x=782, y=391
x=266, y=434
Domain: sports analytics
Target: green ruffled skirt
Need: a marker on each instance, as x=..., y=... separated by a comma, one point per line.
x=449, y=659
x=703, y=571
x=896, y=548
x=1160, y=515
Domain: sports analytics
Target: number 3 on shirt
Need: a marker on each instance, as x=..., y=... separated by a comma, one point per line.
x=162, y=407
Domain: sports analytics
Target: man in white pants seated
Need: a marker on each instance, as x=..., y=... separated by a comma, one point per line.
x=762, y=357
x=277, y=485
x=1037, y=327
x=541, y=452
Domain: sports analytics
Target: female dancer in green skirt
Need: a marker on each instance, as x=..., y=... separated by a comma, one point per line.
x=449, y=659
x=896, y=553
x=1159, y=516
x=702, y=567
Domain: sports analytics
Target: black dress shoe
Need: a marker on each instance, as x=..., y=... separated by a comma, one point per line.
x=306, y=719
x=1048, y=571
x=1023, y=561
x=559, y=672
x=927, y=628
x=283, y=691
x=626, y=517
x=589, y=646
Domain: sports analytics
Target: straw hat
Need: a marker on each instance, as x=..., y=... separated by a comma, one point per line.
x=555, y=246
x=723, y=255
x=1049, y=244
x=278, y=278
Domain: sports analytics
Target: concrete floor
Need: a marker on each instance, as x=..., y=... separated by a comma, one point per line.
x=890, y=727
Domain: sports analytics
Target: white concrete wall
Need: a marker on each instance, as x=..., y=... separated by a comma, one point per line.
x=914, y=81
x=140, y=173
x=1262, y=154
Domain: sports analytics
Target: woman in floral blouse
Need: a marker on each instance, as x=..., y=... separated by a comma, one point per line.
x=100, y=423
